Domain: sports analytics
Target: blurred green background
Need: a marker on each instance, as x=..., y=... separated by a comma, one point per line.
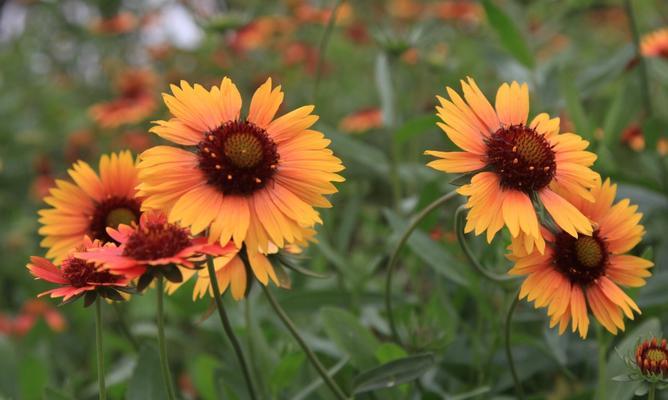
x=373, y=80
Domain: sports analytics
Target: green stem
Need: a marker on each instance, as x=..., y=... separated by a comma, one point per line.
x=602, y=363
x=395, y=256
x=100, y=353
x=228, y=327
x=164, y=364
x=651, y=395
x=647, y=100
x=322, y=48
x=461, y=237
x=509, y=354
x=309, y=353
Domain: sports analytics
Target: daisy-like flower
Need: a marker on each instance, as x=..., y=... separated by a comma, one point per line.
x=152, y=248
x=134, y=103
x=362, y=121
x=231, y=270
x=655, y=44
x=90, y=204
x=77, y=277
x=513, y=164
x=575, y=274
x=254, y=180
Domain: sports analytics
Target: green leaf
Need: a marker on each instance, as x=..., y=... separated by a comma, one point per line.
x=429, y=251
x=286, y=372
x=205, y=369
x=33, y=377
x=616, y=366
x=8, y=377
x=290, y=263
x=146, y=381
x=653, y=128
x=575, y=109
x=387, y=352
x=414, y=127
x=350, y=336
x=510, y=36
x=393, y=373
x=355, y=151
x=614, y=118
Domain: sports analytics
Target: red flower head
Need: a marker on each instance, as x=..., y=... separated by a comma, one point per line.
x=152, y=248
x=78, y=277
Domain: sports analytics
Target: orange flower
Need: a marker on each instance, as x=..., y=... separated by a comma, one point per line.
x=633, y=137
x=122, y=22
x=655, y=44
x=232, y=272
x=362, y=121
x=90, y=204
x=135, y=101
x=461, y=10
x=254, y=180
x=576, y=273
x=512, y=163
x=150, y=247
x=78, y=277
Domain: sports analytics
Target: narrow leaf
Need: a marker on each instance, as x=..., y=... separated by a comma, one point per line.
x=393, y=373
x=510, y=36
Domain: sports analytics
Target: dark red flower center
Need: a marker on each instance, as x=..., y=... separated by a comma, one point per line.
x=156, y=240
x=523, y=158
x=238, y=158
x=581, y=260
x=81, y=273
x=111, y=213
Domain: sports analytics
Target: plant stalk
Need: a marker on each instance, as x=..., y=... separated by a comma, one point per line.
x=100, y=352
x=164, y=364
x=338, y=392
x=509, y=354
x=228, y=328
x=395, y=256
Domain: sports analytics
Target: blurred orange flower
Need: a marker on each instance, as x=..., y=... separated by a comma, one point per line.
x=259, y=33
x=135, y=101
x=122, y=22
x=655, y=44
x=362, y=121
x=459, y=10
x=30, y=313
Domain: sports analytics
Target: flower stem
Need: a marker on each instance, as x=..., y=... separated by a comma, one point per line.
x=602, y=363
x=651, y=395
x=461, y=237
x=647, y=99
x=509, y=354
x=166, y=375
x=322, y=48
x=124, y=327
x=395, y=256
x=309, y=353
x=228, y=327
x=100, y=353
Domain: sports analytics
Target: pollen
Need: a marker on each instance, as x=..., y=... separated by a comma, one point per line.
x=523, y=158
x=238, y=158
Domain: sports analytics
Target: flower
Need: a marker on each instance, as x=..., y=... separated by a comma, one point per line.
x=655, y=44
x=231, y=270
x=78, y=277
x=122, y=22
x=513, y=163
x=153, y=247
x=576, y=272
x=254, y=180
x=135, y=101
x=31, y=311
x=90, y=204
x=647, y=364
x=362, y=121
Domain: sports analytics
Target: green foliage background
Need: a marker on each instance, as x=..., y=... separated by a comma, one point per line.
x=576, y=56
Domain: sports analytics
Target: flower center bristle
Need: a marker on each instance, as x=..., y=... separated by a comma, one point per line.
x=239, y=157
x=581, y=260
x=523, y=158
x=588, y=251
x=80, y=273
x=657, y=355
x=110, y=213
x=156, y=240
